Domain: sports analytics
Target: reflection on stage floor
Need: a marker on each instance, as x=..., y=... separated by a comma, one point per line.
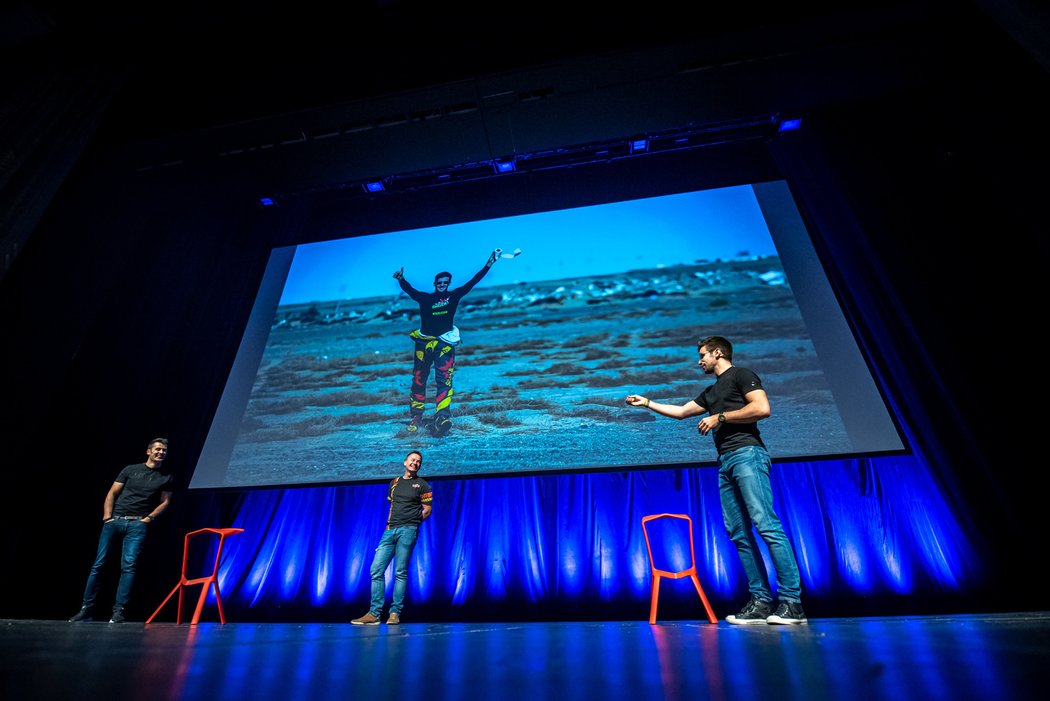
x=996, y=656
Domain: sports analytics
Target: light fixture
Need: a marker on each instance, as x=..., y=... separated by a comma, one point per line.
x=503, y=166
x=790, y=124
x=375, y=186
x=267, y=202
x=640, y=145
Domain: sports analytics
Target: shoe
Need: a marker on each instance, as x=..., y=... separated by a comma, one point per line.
x=366, y=620
x=754, y=612
x=83, y=614
x=117, y=617
x=788, y=613
x=412, y=426
x=393, y=619
x=439, y=429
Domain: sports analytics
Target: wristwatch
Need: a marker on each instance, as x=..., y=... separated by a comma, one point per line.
x=721, y=417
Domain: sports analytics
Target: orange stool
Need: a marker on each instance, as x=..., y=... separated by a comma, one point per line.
x=211, y=579
x=659, y=574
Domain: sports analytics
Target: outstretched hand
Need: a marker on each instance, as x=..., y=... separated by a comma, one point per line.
x=398, y=274
x=636, y=400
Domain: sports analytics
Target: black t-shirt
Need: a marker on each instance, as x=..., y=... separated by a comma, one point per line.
x=142, y=489
x=726, y=394
x=437, y=310
x=406, y=497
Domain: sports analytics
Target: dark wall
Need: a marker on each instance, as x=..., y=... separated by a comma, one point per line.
x=939, y=221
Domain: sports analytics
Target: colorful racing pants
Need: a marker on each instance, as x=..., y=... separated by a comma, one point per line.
x=432, y=352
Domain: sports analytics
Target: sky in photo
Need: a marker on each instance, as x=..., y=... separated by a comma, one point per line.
x=595, y=240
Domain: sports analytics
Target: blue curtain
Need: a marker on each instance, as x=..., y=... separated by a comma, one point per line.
x=875, y=526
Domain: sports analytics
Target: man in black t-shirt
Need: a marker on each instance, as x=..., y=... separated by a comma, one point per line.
x=138, y=496
x=435, y=345
x=734, y=405
x=410, y=504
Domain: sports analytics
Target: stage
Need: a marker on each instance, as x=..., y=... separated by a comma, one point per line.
x=995, y=656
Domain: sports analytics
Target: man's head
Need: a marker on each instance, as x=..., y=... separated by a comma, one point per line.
x=441, y=281
x=156, y=450
x=713, y=349
x=413, y=461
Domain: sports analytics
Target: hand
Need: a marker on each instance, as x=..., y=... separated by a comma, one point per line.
x=398, y=274
x=493, y=257
x=707, y=424
x=636, y=400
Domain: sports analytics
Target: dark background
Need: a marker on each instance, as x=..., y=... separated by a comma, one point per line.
x=134, y=145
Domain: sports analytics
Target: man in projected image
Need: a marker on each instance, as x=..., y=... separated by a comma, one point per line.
x=734, y=405
x=435, y=346
x=137, y=498
x=410, y=504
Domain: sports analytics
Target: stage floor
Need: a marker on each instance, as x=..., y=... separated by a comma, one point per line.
x=996, y=656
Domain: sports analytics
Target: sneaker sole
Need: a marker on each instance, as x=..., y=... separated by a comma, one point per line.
x=362, y=623
x=733, y=620
x=777, y=620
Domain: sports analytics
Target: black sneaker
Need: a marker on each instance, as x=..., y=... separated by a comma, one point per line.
x=117, y=617
x=84, y=614
x=788, y=613
x=755, y=612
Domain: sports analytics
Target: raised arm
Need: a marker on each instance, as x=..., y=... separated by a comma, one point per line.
x=460, y=291
x=412, y=292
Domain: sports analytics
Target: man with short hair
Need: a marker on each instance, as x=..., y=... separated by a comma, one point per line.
x=734, y=404
x=435, y=346
x=138, y=496
x=410, y=504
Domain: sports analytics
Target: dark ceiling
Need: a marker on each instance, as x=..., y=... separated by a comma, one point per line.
x=199, y=64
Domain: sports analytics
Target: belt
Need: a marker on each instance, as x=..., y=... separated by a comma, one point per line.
x=130, y=518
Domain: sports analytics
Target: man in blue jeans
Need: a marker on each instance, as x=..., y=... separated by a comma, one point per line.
x=137, y=498
x=410, y=499
x=734, y=405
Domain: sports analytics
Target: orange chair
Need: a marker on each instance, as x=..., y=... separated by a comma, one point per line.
x=659, y=574
x=211, y=579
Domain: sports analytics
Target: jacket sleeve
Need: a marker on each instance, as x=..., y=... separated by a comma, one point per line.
x=408, y=289
x=460, y=291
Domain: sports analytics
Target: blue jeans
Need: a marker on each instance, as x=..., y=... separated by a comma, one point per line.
x=129, y=536
x=396, y=544
x=747, y=502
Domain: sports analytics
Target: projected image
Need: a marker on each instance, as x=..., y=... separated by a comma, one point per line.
x=508, y=346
